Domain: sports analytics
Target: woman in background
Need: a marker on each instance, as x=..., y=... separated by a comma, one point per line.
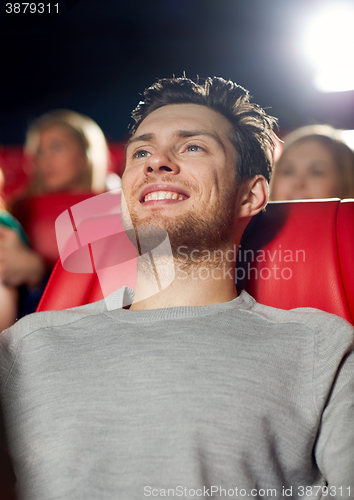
x=315, y=163
x=69, y=155
x=68, y=152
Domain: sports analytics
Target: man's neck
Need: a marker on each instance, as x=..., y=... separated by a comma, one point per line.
x=193, y=285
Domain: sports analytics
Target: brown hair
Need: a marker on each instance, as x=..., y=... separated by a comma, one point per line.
x=253, y=136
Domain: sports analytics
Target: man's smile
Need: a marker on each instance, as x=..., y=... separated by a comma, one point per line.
x=162, y=193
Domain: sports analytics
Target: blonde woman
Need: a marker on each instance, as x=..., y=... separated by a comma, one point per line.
x=315, y=163
x=68, y=154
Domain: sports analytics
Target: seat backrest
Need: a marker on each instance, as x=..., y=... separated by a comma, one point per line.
x=300, y=254
x=293, y=254
x=38, y=215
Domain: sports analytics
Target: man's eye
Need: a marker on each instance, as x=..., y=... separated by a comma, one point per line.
x=142, y=154
x=194, y=147
x=318, y=173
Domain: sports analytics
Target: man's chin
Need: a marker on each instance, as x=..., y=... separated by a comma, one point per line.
x=193, y=230
x=153, y=219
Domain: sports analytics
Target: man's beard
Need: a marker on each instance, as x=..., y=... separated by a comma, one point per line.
x=194, y=231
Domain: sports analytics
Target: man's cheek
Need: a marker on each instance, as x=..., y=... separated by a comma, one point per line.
x=126, y=211
x=126, y=176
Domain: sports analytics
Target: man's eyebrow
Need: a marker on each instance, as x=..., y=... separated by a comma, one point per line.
x=193, y=133
x=178, y=133
x=138, y=138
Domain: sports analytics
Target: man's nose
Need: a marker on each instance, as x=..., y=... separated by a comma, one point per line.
x=160, y=163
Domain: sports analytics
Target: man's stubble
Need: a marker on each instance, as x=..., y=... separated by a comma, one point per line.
x=200, y=228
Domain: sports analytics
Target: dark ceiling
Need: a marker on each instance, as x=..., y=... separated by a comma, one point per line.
x=98, y=55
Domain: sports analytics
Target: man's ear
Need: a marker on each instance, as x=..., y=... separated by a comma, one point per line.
x=253, y=196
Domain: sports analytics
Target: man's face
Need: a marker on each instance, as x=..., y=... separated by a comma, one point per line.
x=180, y=175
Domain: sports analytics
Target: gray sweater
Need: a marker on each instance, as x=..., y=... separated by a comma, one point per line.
x=222, y=401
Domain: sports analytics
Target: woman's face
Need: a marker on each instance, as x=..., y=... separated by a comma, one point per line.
x=306, y=171
x=60, y=160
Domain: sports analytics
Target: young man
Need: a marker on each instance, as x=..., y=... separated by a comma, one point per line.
x=193, y=391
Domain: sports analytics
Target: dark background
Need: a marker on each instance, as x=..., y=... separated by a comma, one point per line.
x=98, y=55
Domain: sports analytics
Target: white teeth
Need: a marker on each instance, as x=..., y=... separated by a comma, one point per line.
x=163, y=195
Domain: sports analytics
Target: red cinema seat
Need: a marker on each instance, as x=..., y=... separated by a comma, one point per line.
x=96, y=256
x=38, y=214
x=293, y=254
x=299, y=254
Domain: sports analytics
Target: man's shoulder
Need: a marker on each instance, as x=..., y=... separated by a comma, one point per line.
x=44, y=319
x=316, y=320
x=11, y=338
x=38, y=321
x=39, y=325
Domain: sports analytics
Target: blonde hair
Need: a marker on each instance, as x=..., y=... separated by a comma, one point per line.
x=2, y=182
x=332, y=140
x=87, y=133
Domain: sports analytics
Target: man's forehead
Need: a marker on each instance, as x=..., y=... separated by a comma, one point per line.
x=183, y=120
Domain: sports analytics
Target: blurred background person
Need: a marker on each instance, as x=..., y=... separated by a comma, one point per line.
x=68, y=155
x=315, y=163
x=68, y=152
x=8, y=294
